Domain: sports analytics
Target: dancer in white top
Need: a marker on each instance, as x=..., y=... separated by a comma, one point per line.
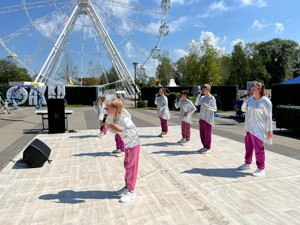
x=187, y=109
x=258, y=127
x=208, y=107
x=124, y=126
x=162, y=111
x=100, y=109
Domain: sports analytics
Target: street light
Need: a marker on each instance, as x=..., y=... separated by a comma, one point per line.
x=135, y=65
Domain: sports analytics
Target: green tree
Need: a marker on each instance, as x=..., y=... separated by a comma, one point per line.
x=201, y=65
x=103, y=78
x=225, y=61
x=188, y=69
x=281, y=58
x=238, y=72
x=164, y=71
x=210, y=63
x=256, y=69
x=181, y=67
x=95, y=69
x=192, y=71
x=11, y=72
x=68, y=71
x=112, y=77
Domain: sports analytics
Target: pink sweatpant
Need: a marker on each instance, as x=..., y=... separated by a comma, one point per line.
x=119, y=142
x=131, y=164
x=252, y=144
x=205, y=133
x=164, y=125
x=186, y=130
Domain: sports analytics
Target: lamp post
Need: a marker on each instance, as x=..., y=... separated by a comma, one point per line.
x=135, y=65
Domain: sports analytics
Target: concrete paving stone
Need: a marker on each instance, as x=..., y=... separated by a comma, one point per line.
x=175, y=185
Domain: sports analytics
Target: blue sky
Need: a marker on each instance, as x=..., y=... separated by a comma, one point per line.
x=133, y=25
x=229, y=21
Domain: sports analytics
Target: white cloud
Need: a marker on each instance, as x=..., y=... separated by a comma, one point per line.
x=213, y=40
x=180, y=2
x=218, y=6
x=46, y=27
x=279, y=28
x=83, y=24
x=237, y=41
x=112, y=8
x=258, y=3
x=176, y=25
x=214, y=8
x=151, y=66
x=183, y=2
x=154, y=27
x=259, y=25
x=179, y=53
x=129, y=50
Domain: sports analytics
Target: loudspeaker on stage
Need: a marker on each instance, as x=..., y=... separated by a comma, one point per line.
x=36, y=154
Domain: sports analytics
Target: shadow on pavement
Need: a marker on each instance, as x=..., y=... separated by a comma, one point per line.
x=75, y=197
x=149, y=136
x=31, y=131
x=226, y=124
x=218, y=172
x=174, y=153
x=164, y=144
x=84, y=136
x=20, y=164
x=94, y=154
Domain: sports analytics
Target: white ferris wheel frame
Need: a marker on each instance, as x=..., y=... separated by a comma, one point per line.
x=86, y=7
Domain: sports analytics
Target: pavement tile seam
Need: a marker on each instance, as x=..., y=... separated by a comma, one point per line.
x=159, y=164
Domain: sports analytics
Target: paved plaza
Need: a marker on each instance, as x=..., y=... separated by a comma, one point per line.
x=175, y=185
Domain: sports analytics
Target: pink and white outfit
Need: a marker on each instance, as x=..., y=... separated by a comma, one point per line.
x=132, y=150
x=101, y=111
x=186, y=106
x=119, y=142
x=163, y=112
x=258, y=122
x=206, y=118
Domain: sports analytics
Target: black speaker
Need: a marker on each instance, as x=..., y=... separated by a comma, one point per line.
x=56, y=115
x=36, y=154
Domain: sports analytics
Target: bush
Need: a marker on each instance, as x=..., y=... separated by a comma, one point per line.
x=141, y=104
x=193, y=99
x=288, y=116
x=171, y=99
x=3, y=90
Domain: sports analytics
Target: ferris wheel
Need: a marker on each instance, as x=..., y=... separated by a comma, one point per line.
x=41, y=35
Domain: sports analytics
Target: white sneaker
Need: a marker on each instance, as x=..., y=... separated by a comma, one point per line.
x=205, y=151
x=181, y=141
x=119, y=154
x=116, y=151
x=259, y=173
x=129, y=196
x=200, y=150
x=121, y=191
x=164, y=134
x=185, y=142
x=245, y=166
